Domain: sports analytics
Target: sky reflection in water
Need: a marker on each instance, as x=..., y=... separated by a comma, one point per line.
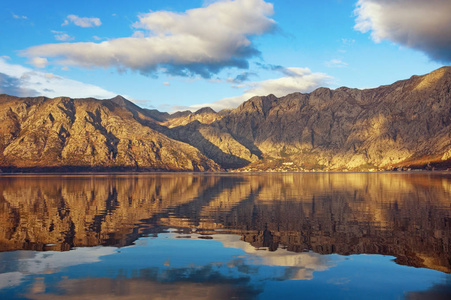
x=272, y=236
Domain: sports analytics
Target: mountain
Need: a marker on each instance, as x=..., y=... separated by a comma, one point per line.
x=403, y=125
x=399, y=125
x=82, y=134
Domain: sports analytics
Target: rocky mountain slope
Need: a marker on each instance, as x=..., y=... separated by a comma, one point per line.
x=79, y=134
x=406, y=124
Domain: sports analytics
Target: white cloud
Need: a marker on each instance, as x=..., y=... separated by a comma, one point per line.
x=138, y=34
x=337, y=63
x=19, y=17
x=62, y=36
x=39, y=62
x=82, y=21
x=19, y=81
x=417, y=24
x=347, y=42
x=295, y=80
x=199, y=41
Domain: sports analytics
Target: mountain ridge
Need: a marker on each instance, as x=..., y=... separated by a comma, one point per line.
x=403, y=125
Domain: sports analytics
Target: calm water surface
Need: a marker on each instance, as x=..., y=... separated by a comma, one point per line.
x=184, y=236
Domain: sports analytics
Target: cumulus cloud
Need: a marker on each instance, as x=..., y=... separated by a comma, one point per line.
x=19, y=81
x=82, y=22
x=39, y=62
x=417, y=24
x=62, y=36
x=200, y=41
x=295, y=80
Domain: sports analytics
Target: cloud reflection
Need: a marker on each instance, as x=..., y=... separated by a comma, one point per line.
x=23, y=263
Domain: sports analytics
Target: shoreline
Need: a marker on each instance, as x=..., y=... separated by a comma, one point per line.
x=208, y=173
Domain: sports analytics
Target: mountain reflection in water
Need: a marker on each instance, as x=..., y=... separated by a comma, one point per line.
x=295, y=219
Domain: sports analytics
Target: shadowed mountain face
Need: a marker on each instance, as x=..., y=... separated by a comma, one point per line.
x=402, y=215
x=406, y=124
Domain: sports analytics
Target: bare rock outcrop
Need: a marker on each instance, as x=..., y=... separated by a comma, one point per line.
x=87, y=133
x=403, y=125
x=406, y=124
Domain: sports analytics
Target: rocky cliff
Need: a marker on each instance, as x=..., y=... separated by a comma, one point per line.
x=403, y=125
x=79, y=134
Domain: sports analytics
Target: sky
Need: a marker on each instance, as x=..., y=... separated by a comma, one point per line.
x=186, y=54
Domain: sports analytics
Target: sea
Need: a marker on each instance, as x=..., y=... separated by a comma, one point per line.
x=225, y=236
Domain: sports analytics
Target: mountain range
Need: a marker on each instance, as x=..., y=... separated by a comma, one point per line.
x=405, y=125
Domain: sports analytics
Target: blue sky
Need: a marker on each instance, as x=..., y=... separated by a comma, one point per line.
x=182, y=54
